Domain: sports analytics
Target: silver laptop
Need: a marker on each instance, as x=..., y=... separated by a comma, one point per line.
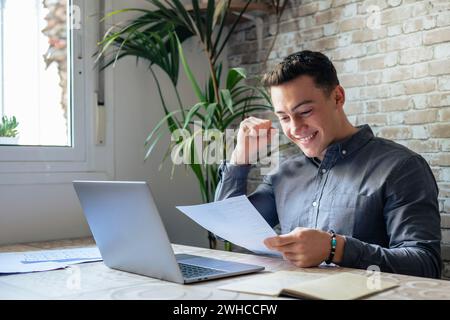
x=130, y=235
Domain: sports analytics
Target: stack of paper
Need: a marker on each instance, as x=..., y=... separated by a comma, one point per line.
x=18, y=262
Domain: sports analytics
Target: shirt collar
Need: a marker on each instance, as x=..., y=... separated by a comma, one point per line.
x=348, y=146
x=353, y=143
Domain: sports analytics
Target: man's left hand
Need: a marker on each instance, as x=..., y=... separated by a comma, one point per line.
x=303, y=247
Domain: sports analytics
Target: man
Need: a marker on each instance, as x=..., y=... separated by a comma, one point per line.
x=350, y=198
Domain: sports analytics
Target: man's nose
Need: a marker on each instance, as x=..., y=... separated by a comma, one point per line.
x=297, y=127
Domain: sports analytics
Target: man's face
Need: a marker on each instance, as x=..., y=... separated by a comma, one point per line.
x=308, y=117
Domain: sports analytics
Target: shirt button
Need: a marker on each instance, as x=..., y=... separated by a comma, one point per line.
x=324, y=170
x=314, y=204
x=344, y=151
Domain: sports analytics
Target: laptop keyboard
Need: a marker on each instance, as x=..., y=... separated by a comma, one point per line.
x=192, y=271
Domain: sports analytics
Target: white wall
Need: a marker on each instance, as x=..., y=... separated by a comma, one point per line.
x=37, y=212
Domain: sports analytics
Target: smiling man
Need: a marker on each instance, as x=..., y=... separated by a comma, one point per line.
x=348, y=197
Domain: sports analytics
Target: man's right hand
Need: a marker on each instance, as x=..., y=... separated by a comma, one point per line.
x=253, y=136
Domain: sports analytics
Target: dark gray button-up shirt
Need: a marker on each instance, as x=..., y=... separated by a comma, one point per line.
x=381, y=196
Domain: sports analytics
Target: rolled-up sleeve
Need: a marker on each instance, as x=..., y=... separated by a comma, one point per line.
x=233, y=183
x=412, y=219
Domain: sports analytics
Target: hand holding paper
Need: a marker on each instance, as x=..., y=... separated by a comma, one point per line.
x=236, y=220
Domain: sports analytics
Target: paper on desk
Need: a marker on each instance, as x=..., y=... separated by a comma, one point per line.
x=31, y=261
x=236, y=220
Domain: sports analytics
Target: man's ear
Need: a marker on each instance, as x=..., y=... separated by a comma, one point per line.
x=339, y=96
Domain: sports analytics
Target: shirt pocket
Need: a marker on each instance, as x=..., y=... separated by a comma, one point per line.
x=343, y=210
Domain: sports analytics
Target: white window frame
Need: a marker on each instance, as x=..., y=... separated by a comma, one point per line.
x=2, y=80
x=50, y=164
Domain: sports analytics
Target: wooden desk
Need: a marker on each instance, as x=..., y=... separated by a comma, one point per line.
x=96, y=281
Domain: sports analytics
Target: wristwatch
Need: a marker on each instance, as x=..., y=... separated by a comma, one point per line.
x=333, y=247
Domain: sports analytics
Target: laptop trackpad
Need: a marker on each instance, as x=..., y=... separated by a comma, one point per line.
x=210, y=262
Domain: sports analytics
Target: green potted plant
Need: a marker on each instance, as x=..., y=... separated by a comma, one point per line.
x=8, y=130
x=156, y=36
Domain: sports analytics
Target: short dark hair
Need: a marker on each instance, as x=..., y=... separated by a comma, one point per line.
x=311, y=63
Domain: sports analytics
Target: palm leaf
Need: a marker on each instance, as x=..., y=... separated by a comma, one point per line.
x=159, y=125
x=209, y=24
x=193, y=112
x=189, y=73
x=154, y=143
x=226, y=99
x=210, y=114
x=235, y=75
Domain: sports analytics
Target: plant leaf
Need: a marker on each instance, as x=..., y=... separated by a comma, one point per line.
x=226, y=98
x=193, y=111
x=189, y=73
x=235, y=75
x=210, y=113
x=159, y=124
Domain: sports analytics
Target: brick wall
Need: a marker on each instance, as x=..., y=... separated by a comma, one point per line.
x=393, y=59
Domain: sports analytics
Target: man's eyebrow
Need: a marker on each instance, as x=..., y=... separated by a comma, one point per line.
x=298, y=105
